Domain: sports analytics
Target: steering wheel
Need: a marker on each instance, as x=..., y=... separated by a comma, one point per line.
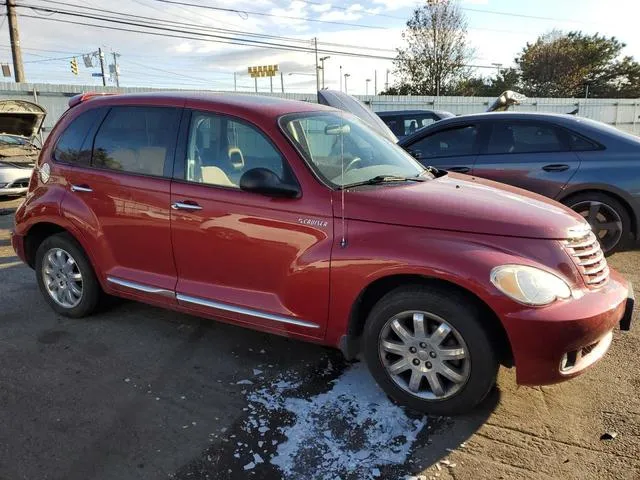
x=355, y=163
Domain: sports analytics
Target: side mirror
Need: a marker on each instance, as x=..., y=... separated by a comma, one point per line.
x=266, y=182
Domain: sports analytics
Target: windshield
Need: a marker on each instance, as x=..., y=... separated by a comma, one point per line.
x=344, y=151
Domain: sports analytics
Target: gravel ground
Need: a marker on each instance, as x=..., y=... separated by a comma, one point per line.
x=136, y=392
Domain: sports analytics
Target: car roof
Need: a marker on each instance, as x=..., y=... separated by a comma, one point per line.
x=258, y=105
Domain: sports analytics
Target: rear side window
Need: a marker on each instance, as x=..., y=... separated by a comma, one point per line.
x=453, y=142
x=137, y=140
x=527, y=137
x=74, y=145
x=581, y=144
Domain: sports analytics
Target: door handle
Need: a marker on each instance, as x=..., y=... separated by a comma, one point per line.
x=556, y=167
x=81, y=188
x=186, y=205
x=459, y=169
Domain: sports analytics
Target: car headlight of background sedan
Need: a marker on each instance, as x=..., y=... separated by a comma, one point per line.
x=529, y=285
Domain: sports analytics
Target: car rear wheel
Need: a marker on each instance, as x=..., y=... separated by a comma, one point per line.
x=65, y=276
x=427, y=349
x=608, y=218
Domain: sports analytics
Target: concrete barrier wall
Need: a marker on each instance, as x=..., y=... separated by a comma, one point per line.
x=621, y=113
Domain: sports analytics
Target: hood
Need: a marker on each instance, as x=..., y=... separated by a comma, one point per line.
x=465, y=204
x=350, y=104
x=21, y=118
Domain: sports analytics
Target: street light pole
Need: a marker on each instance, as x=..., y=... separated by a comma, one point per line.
x=315, y=40
x=340, y=77
x=346, y=75
x=322, y=59
x=367, y=86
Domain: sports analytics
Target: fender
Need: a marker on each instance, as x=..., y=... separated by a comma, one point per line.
x=465, y=260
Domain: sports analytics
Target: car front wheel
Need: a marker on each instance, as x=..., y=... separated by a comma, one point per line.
x=427, y=349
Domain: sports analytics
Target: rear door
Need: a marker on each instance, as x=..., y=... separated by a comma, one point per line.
x=118, y=194
x=453, y=147
x=534, y=155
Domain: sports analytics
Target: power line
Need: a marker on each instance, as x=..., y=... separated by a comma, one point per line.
x=264, y=14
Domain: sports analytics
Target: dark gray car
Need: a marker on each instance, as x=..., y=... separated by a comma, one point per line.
x=589, y=166
x=406, y=122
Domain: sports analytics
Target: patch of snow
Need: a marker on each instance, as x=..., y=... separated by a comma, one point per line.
x=346, y=432
x=257, y=371
x=244, y=382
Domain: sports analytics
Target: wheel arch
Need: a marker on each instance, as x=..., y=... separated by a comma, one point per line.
x=350, y=342
x=40, y=231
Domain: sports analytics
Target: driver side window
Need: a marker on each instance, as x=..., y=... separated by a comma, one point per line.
x=221, y=149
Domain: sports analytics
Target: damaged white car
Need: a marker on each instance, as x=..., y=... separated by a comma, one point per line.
x=20, y=123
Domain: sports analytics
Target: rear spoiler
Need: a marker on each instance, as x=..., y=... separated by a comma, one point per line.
x=83, y=97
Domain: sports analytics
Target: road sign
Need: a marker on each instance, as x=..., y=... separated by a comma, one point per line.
x=263, y=71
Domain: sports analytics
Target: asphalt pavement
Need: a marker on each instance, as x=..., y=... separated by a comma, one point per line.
x=136, y=392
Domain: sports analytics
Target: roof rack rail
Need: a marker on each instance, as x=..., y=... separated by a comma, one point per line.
x=83, y=97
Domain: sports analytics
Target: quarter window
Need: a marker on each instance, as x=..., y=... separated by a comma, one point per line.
x=526, y=138
x=137, y=140
x=74, y=145
x=453, y=142
x=220, y=149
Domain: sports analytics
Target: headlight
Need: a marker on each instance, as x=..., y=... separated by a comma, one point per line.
x=529, y=285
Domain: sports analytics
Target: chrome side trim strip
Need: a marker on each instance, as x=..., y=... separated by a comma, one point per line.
x=244, y=311
x=141, y=288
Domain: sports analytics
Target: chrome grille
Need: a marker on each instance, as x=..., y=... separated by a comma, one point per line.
x=587, y=255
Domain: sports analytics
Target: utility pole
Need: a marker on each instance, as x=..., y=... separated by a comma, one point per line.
x=367, y=86
x=315, y=41
x=104, y=77
x=340, y=77
x=271, y=83
x=386, y=84
x=375, y=82
x=322, y=59
x=346, y=75
x=282, y=81
x=255, y=79
x=116, y=73
x=14, y=36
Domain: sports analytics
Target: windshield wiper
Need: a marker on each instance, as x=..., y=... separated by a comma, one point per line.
x=386, y=179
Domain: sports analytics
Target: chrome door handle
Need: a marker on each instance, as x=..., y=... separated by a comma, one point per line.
x=186, y=206
x=81, y=188
x=460, y=169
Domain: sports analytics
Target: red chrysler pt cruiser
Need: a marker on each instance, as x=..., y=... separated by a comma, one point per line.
x=298, y=219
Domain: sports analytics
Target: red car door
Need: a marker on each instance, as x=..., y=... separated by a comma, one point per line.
x=118, y=196
x=245, y=257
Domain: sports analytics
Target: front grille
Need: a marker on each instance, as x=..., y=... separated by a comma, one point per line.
x=587, y=255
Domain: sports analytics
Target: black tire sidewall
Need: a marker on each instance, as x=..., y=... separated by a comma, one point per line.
x=626, y=237
x=90, y=287
x=460, y=313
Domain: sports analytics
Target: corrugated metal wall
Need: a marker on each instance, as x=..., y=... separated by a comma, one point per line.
x=622, y=113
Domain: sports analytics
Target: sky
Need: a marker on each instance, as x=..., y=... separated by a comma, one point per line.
x=497, y=31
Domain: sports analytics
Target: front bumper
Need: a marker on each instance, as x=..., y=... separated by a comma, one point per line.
x=558, y=342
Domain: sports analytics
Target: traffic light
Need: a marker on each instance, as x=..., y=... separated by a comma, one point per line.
x=74, y=66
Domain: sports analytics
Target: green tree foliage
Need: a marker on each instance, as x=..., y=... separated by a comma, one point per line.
x=563, y=65
x=436, y=53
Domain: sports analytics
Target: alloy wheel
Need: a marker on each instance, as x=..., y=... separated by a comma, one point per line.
x=62, y=278
x=424, y=355
x=605, y=222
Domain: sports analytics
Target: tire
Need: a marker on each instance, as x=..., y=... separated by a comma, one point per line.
x=609, y=211
x=83, y=304
x=479, y=367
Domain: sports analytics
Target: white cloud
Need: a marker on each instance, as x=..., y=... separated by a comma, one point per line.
x=321, y=8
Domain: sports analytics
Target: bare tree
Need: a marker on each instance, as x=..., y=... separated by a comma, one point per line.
x=436, y=53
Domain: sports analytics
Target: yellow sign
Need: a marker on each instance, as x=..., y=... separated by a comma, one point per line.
x=263, y=71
